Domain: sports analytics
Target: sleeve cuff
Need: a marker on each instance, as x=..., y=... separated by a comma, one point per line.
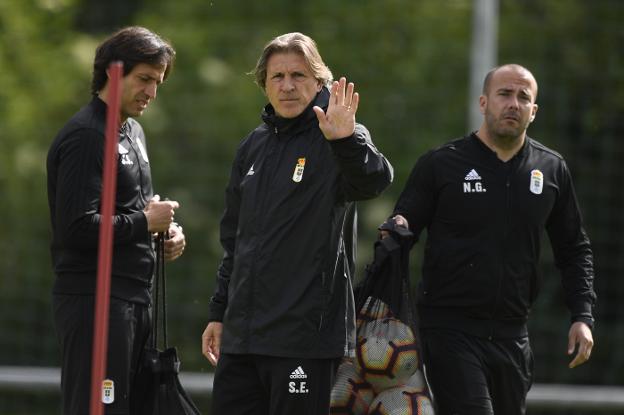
x=345, y=146
x=587, y=320
x=215, y=311
x=139, y=223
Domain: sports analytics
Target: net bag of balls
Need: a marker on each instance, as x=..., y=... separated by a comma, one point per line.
x=386, y=374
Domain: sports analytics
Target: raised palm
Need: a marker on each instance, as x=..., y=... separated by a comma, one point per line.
x=339, y=120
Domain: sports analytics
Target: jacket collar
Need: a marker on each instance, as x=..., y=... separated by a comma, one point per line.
x=99, y=108
x=303, y=121
x=520, y=154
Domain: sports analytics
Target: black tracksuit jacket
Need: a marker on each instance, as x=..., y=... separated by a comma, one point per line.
x=288, y=232
x=74, y=168
x=484, y=220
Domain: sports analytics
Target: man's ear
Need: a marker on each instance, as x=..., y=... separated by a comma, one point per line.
x=482, y=104
x=534, y=112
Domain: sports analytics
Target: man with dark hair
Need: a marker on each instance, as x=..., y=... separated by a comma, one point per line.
x=282, y=314
x=74, y=167
x=485, y=201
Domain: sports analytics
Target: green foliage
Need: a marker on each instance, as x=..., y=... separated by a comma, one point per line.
x=409, y=60
x=41, y=63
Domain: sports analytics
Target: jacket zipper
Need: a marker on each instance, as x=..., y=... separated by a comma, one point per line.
x=501, y=275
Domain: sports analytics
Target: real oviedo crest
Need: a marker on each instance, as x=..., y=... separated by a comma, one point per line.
x=537, y=182
x=298, y=173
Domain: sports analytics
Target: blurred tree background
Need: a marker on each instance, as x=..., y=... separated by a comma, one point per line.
x=410, y=62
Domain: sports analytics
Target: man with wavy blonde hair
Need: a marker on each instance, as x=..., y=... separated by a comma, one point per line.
x=296, y=43
x=282, y=314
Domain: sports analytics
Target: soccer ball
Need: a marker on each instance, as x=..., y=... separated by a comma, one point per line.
x=351, y=395
x=386, y=353
x=402, y=400
x=417, y=381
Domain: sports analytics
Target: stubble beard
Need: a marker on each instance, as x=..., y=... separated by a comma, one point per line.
x=504, y=136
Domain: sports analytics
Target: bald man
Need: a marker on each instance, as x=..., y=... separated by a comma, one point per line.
x=485, y=200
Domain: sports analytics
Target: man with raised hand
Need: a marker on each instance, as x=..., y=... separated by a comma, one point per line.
x=282, y=314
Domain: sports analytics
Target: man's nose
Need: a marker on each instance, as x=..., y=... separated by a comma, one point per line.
x=514, y=102
x=288, y=84
x=150, y=90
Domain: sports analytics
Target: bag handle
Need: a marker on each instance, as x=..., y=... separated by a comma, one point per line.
x=160, y=292
x=391, y=258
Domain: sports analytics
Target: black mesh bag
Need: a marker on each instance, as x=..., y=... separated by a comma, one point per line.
x=386, y=374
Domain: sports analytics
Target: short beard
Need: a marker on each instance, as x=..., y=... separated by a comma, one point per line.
x=505, y=137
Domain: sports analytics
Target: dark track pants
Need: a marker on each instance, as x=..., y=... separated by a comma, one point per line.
x=265, y=385
x=475, y=376
x=129, y=329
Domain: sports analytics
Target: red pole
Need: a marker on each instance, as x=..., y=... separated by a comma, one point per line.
x=102, y=293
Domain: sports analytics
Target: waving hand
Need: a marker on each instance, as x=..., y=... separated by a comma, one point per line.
x=339, y=120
